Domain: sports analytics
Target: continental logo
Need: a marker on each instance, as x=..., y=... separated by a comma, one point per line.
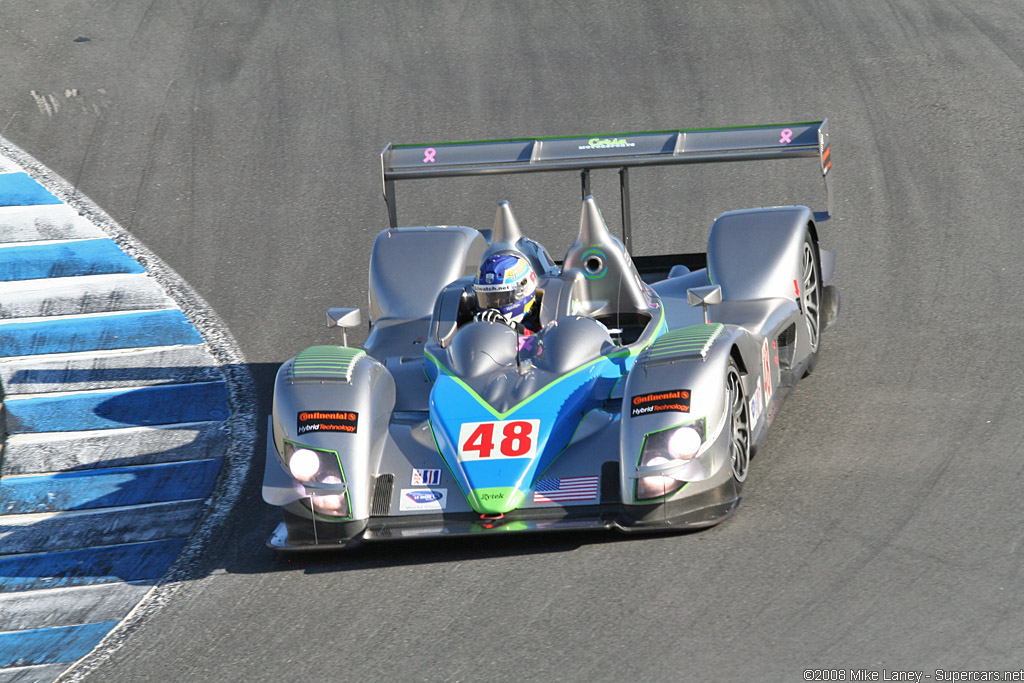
x=605, y=143
x=677, y=401
x=327, y=421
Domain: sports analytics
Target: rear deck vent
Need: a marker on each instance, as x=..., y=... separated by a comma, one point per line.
x=382, y=488
x=610, y=482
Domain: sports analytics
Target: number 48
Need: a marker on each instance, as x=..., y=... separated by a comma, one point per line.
x=515, y=439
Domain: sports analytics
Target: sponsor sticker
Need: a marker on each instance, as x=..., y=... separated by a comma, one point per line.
x=755, y=407
x=426, y=477
x=605, y=143
x=420, y=500
x=327, y=421
x=766, y=368
x=677, y=401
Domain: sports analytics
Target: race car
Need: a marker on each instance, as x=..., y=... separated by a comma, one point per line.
x=633, y=400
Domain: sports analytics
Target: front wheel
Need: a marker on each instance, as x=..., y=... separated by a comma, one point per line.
x=739, y=424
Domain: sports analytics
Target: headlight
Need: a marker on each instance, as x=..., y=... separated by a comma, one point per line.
x=670, y=458
x=321, y=477
x=304, y=464
x=684, y=443
x=313, y=466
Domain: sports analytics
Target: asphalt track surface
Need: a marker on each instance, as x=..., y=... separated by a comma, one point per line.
x=881, y=523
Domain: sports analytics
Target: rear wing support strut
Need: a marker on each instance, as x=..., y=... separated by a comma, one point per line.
x=627, y=226
x=622, y=151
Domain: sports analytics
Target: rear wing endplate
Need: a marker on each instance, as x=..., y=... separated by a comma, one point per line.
x=622, y=151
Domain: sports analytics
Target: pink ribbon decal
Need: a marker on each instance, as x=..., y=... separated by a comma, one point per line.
x=428, y=155
x=787, y=137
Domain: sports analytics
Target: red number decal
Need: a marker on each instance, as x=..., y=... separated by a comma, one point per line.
x=481, y=440
x=517, y=439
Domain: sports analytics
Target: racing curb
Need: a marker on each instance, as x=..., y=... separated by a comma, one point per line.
x=104, y=350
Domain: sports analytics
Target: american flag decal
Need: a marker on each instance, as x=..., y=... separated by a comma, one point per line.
x=566, y=488
x=426, y=477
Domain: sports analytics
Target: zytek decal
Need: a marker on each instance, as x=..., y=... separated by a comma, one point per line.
x=677, y=401
x=766, y=368
x=327, y=421
x=496, y=440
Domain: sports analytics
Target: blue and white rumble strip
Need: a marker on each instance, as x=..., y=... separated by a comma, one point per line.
x=117, y=417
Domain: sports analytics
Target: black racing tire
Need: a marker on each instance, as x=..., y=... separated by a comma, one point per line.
x=739, y=424
x=810, y=297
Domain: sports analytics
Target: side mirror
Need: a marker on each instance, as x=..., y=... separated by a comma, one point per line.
x=704, y=297
x=343, y=318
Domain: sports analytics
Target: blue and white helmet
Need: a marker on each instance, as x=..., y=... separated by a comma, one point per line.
x=506, y=283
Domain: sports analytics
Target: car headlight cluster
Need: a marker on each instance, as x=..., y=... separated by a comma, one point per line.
x=669, y=458
x=319, y=472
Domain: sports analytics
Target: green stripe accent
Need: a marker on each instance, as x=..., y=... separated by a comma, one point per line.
x=327, y=362
x=695, y=339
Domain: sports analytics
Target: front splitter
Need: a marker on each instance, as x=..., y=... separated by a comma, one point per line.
x=695, y=512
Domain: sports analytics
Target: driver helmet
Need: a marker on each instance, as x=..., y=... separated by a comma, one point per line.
x=507, y=283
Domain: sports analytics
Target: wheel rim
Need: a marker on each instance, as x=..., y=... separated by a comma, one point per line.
x=739, y=436
x=811, y=294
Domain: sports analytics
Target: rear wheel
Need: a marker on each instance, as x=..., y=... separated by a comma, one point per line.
x=810, y=291
x=810, y=298
x=739, y=424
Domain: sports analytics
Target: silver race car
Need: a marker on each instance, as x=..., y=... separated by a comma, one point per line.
x=500, y=391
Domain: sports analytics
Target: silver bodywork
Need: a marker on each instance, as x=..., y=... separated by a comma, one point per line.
x=626, y=360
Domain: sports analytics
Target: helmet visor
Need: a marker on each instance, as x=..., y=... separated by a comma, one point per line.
x=487, y=297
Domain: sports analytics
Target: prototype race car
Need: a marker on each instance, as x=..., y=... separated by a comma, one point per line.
x=637, y=402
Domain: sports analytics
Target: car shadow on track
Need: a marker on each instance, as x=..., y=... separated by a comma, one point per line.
x=412, y=552
x=86, y=499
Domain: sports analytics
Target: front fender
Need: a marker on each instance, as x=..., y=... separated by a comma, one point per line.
x=337, y=399
x=680, y=379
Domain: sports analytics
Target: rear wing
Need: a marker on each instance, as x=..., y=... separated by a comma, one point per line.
x=622, y=151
